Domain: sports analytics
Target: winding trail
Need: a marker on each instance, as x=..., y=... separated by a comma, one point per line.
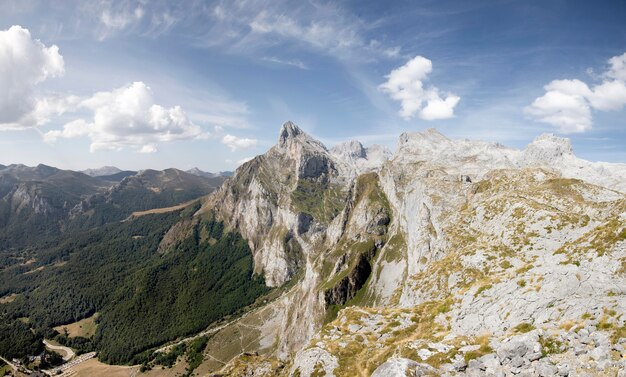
x=69, y=354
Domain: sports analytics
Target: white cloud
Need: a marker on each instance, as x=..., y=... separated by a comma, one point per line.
x=406, y=85
x=148, y=148
x=618, y=67
x=610, y=95
x=24, y=63
x=120, y=20
x=252, y=26
x=234, y=143
x=567, y=104
x=438, y=108
x=565, y=109
x=117, y=18
x=127, y=117
x=291, y=62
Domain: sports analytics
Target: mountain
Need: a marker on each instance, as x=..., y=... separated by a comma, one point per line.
x=117, y=177
x=46, y=201
x=200, y=173
x=37, y=200
x=146, y=190
x=445, y=257
x=105, y=170
x=448, y=257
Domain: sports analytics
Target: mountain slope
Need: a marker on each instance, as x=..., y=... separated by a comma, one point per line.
x=430, y=242
x=38, y=200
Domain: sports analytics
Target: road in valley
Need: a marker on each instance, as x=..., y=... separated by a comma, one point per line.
x=69, y=354
x=8, y=363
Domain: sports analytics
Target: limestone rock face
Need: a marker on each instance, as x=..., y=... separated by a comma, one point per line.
x=547, y=149
x=449, y=257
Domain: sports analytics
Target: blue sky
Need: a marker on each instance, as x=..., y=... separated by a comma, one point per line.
x=156, y=84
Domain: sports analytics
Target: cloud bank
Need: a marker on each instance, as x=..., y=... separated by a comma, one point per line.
x=568, y=104
x=406, y=85
x=128, y=117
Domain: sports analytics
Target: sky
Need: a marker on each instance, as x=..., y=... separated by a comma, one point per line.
x=207, y=84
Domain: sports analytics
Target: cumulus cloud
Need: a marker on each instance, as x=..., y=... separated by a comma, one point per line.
x=618, y=67
x=406, y=85
x=568, y=104
x=24, y=63
x=234, y=143
x=127, y=117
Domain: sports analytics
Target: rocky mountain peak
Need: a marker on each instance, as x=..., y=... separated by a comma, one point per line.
x=427, y=138
x=288, y=131
x=547, y=148
x=352, y=149
x=291, y=134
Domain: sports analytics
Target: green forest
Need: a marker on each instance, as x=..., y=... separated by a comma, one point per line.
x=144, y=298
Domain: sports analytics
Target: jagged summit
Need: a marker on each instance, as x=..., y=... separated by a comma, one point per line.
x=547, y=147
x=359, y=158
x=289, y=130
x=290, y=135
x=351, y=148
x=456, y=156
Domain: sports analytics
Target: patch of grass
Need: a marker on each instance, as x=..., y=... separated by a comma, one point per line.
x=567, y=325
x=605, y=323
x=445, y=306
x=610, y=312
x=482, y=289
x=322, y=200
x=551, y=346
x=523, y=269
x=395, y=248
x=85, y=328
x=521, y=283
x=331, y=313
x=618, y=333
x=523, y=328
x=484, y=349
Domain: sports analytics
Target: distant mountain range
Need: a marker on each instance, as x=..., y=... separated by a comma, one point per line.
x=200, y=173
x=46, y=200
x=113, y=173
x=105, y=170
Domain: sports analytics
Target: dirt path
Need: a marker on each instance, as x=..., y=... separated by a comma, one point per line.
x=8, y=363
x=69, y=354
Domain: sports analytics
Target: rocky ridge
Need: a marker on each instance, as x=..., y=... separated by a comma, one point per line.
x=434, y=260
